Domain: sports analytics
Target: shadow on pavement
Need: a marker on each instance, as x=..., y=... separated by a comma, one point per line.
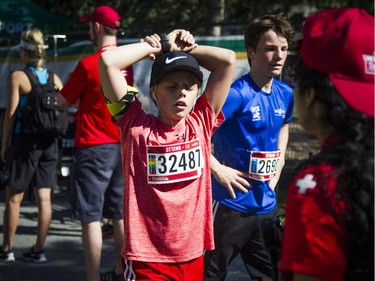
x=63, y=246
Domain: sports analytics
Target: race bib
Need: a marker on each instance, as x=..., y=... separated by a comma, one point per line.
x=263, y=164
x=174, y=163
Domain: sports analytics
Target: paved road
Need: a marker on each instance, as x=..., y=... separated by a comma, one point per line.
x=63, y=247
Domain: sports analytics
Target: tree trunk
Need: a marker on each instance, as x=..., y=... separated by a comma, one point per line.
x=216, y=12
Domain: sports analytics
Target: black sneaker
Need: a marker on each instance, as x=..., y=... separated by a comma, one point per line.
x=37, y=257
x=111, y=276
x=6, y=256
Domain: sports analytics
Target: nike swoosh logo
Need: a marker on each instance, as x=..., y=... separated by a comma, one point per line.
x=168, y=60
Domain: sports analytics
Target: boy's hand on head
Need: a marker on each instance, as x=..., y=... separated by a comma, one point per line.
x=178, y=39
x=181, y=40
x=154, y=41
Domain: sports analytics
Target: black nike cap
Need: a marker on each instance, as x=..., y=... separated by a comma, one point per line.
x=174, y=61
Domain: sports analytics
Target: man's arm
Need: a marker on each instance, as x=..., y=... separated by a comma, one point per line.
x=73, y=88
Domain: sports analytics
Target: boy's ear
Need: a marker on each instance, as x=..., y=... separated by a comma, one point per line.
x=250, y=53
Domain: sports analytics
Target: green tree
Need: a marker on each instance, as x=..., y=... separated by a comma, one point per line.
x=201, y=17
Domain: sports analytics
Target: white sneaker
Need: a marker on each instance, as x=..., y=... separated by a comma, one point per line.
x=6, y=257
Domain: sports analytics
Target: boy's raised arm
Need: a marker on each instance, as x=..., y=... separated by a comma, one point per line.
x=221, y=63
x=111, y=63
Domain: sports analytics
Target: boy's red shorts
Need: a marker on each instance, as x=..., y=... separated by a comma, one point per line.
x=185, y=271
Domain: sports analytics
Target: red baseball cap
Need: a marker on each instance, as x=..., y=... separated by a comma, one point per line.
x=339, y=42
x=105, y=15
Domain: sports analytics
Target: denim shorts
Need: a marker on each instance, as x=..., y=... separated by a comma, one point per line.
x=97, y=183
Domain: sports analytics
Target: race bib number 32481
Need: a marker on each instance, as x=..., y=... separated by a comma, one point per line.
x=174, y=163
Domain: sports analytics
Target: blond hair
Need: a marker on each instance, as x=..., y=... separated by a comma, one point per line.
x=33, y=39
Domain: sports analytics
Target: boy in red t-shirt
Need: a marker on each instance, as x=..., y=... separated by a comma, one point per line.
x=167, y=196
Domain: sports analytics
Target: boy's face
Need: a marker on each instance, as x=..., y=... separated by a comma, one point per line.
x=175, y=96
x=269, y=57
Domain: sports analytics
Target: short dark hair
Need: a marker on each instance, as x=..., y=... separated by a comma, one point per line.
x=107, y=29
x=110, y=31
x=258, y=26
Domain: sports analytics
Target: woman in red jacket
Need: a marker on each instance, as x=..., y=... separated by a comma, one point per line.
x=329, y=229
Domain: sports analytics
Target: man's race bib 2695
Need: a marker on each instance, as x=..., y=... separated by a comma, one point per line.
x=174, y=163
x=263, y=164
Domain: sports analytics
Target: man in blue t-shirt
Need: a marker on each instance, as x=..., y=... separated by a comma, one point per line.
x=249, y=152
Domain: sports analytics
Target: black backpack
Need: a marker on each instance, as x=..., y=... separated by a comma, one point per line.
x=41, y=115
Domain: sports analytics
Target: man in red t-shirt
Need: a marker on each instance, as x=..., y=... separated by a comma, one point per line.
x=97, y=181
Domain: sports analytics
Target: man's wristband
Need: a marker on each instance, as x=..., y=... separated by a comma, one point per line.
x=165, y=46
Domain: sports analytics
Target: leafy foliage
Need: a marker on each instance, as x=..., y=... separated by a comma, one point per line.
x=145, y=17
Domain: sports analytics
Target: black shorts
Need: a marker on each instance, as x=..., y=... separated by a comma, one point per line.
x=97, y=183
x=32, y=162
x=238, y=233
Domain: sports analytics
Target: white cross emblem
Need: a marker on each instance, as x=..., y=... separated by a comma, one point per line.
x=305, y=183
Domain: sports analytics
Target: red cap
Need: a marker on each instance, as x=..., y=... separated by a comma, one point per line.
x=340, y=43
x=105, y=15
